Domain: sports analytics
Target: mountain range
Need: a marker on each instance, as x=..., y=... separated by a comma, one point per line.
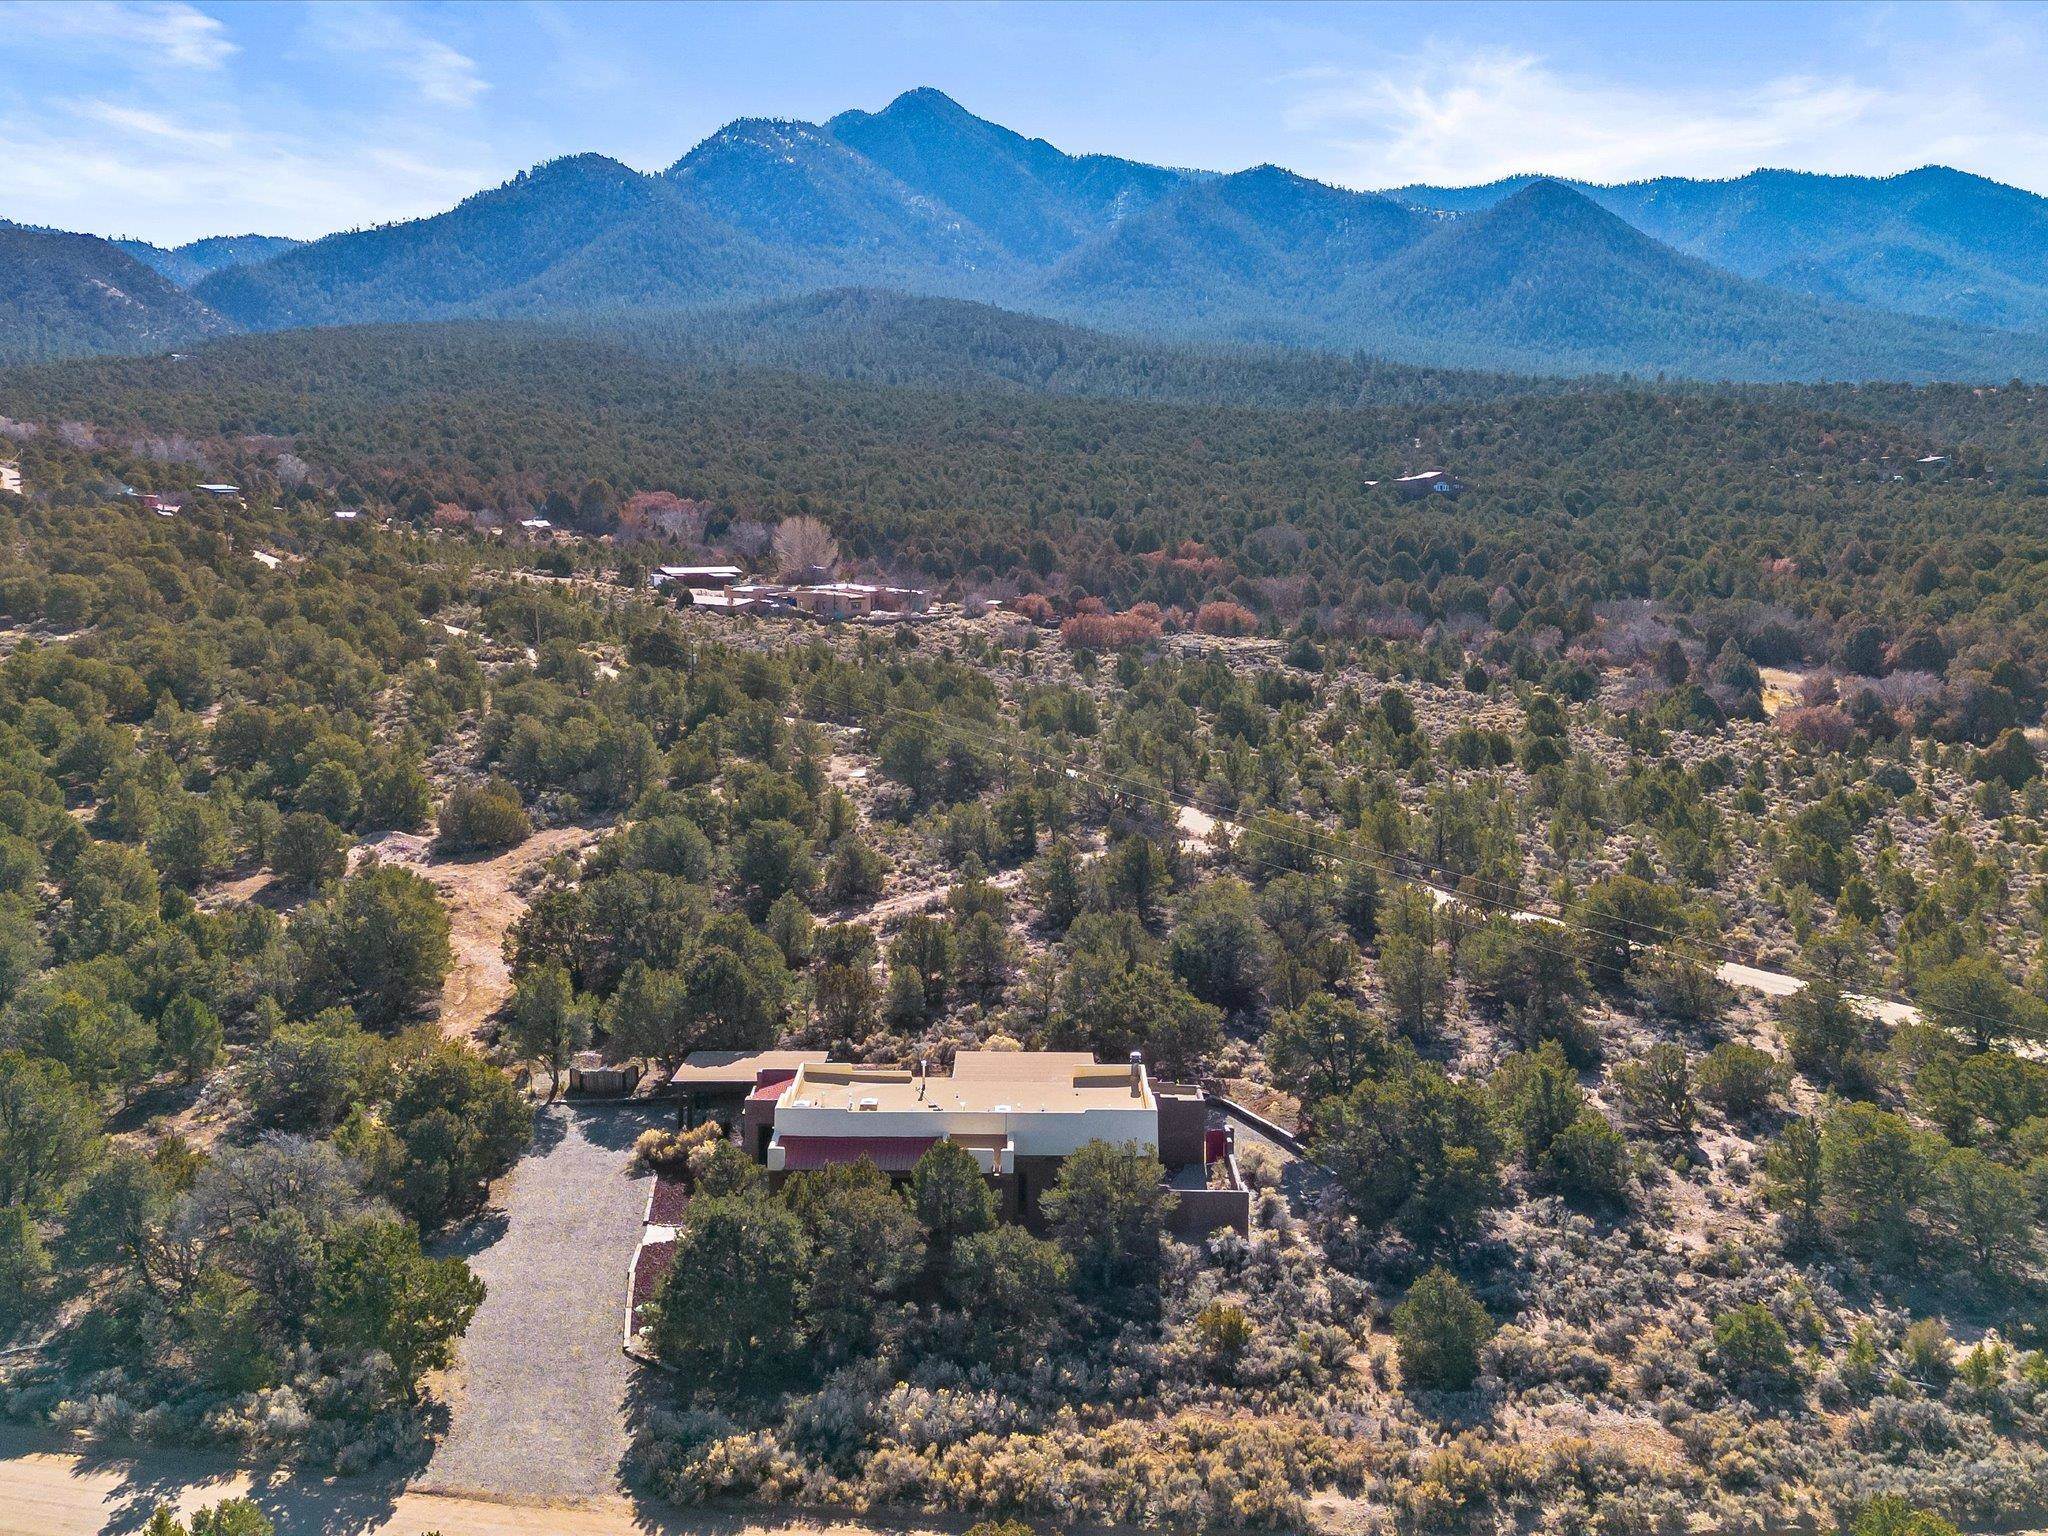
x=187, y=264
x=1934, y=274
x=1934, y=241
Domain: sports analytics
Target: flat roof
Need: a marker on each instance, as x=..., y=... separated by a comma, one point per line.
x=736, y=1069
x=991, y=1082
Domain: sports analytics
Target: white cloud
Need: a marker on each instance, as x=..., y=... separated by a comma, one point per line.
x=147, y=34
x=1475, y=117
x=116, y=169
x=244, y=148
x=145, y=123
x=1493, y=114
x=381, y=37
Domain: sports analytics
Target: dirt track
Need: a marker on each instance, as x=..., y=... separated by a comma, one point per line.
x=483, y=898
x=46, y=1490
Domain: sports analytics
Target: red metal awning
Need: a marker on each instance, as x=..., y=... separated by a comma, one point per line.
x=891, y=1154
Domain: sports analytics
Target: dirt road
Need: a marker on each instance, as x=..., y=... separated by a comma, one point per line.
x=46, y=1490
x=483, y=898
x=888, y=913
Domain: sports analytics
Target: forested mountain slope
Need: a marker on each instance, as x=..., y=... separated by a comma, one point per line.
x=66, y=295
x=187, y=264
x=874, y=336
x=574, y=234
x=1256, y=253
x=1547, y=280
x=1034, y=200
x=1932, y=241
x=798, y=189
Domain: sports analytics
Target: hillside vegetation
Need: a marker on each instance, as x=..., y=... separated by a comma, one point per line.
x=1723, y=503
x=68, y=295
x=1628, y=876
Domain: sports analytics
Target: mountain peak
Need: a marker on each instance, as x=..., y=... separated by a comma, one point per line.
x=1267, y=171
x=776, y=135
x=922, y=105
x=1546, y=194
x=588, y=165
x=926, y=98
x=1035, y=201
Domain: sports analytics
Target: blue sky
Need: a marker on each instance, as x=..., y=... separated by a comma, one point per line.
x=172, y=120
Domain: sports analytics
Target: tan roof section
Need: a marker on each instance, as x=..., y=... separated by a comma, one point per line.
x=737, y=1069
x=1015, y=1066
x=982, y=1082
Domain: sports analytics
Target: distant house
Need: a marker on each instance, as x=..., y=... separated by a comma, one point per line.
x=222, y=491
x=264, y=558
x=10, y=476
x=721, y=599
x=857, y=599
x=1428, y=482
x=902, y=600
x=346, y=514
x=695, y=576
x=534, y=530
x=836, y=599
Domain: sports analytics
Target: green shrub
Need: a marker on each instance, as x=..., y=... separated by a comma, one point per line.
x=1751, y=1351
x=1438, y=1332
x=477, y=817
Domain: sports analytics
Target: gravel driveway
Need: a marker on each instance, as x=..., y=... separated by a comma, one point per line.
x=538, y=1394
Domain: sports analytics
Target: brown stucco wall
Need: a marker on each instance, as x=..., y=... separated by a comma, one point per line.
x=1183, y=1117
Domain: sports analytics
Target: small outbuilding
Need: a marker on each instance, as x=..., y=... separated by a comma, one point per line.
x=1428, y=482
x=590, y=1073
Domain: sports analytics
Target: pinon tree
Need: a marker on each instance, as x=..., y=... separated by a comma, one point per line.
x=1438, y=1332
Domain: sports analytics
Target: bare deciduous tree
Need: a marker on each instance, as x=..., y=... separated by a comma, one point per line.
x=804, y=545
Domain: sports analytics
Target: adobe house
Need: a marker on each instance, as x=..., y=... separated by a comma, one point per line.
x=1021, y=1113
x=695, y=575
x=836, y=599
x=716, y=1084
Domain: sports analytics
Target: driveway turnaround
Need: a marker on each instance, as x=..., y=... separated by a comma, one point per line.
x=538, y=1397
